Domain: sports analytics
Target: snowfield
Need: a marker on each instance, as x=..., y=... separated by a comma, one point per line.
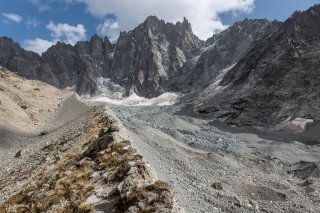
x=164, y=99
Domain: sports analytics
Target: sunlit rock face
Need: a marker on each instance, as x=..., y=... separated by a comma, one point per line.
x=149, y=58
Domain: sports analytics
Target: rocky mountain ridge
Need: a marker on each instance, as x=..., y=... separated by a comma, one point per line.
x=277, y=82
x=77, y=158
x=153, y=58
x=226, y=49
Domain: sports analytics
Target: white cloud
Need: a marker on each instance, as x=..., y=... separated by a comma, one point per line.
x=203, y=14
x=109, y=28
x=59, y=32
x=67, y=33
x=32, y=23
x=12, y=17
x=37, y=45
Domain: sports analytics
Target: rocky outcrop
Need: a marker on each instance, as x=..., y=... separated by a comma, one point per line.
x=226, y=49
x=13, y=57
x=61, y=65
x=148, y=58
x=277, y=81
x=76, y=66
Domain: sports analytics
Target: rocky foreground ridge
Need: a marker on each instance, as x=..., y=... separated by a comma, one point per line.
x=86, y=164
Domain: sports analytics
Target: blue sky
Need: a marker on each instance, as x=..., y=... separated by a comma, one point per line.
x=37, y=24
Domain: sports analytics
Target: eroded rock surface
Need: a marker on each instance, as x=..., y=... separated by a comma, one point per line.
x=276, y=84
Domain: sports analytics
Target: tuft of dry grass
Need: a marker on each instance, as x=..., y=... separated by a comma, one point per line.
x=85, y=208
x=117, y=155
x=68, y=183
x=72, y=185
x=139, y=197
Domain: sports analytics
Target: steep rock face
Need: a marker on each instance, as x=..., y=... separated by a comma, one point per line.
x=278, y=79
x=13, y=57
x=226, y=49
x=61, y=65
x=147, y=58
x=154, y=58
x=80, y=65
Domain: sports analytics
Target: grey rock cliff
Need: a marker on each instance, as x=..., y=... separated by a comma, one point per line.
x=13, y=57
x=61, y=65
x=148, y=58
x=226, y=49
x=153, y=58
x=277, y=81
x=80, y=65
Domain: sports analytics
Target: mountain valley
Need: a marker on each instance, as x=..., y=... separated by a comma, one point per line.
x=162, y=121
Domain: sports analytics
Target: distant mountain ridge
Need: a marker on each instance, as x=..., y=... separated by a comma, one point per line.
x=153, y=58
x=276, y=84
x=226, y=49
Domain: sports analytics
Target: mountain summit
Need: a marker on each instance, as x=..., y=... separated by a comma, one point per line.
x=147, y=58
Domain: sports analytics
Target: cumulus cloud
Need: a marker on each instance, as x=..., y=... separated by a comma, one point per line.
x=12, y=17
x=109, y=28
x=37, y=45
x=59, y=32
x=67, y=33
x=203, y=14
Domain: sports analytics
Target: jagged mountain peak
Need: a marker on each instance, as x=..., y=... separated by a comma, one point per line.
x=152, y=20
x=307, y=20
x=277, y=81
x=95, y=37
x=185, y=24
x=148, y=59
x=159, y=25
x=225, y=49
x=246, y=26
x=313, y=11
x=14, y=46
x=5, y=38
x=149, y=56
x=21, y=61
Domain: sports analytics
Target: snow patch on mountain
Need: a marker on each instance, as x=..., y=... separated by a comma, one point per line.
x=164, y=99
x=211, y=90
x=107, y=88
x=164, y=49
x=207, y=48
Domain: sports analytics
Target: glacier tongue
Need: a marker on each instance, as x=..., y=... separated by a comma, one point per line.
x=109, y=92
x=164, y=99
